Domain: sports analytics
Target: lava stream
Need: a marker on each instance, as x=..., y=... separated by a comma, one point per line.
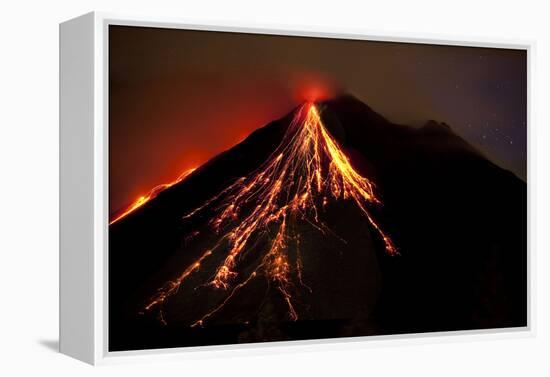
x=150, y=195
x=306, y=172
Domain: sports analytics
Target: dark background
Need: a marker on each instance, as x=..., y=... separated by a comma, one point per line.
x=179, y=97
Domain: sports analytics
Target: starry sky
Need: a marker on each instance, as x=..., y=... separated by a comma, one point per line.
x=178, y=97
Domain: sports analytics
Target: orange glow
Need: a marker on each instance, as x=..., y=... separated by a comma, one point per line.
x=150, y=195
x=306, y=172
x=314, y=87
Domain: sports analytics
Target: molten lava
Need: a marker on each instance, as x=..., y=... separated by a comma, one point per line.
x=150, y=195
x=306, y=172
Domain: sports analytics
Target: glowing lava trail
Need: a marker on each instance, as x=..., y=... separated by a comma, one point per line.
x=150, y=195
x=305, y=173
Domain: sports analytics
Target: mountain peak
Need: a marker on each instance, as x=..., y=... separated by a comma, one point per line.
x=432, y=125
x=349, y=103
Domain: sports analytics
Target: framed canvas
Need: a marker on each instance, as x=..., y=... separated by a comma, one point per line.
x=226, y=188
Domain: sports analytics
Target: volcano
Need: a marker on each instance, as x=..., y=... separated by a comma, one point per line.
x=329, y=222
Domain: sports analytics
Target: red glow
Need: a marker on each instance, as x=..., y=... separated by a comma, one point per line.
x=314, y=88
x=159, y=140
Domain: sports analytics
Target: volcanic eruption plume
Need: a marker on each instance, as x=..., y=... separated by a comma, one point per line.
x=258, y=212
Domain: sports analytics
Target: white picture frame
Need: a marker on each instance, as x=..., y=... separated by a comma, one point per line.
x=84, y=191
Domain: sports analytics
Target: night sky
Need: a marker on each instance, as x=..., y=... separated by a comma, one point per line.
x=177, y=98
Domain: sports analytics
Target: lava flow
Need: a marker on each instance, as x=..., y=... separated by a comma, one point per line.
x=150, y=195
x=306, y=172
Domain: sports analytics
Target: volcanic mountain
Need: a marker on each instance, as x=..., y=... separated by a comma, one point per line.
x=329, y=222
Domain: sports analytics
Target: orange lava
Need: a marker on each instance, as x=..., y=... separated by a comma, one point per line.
x=307, y=171
x=150, y=195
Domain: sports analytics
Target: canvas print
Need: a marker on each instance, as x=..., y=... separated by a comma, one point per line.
x=272, y=188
